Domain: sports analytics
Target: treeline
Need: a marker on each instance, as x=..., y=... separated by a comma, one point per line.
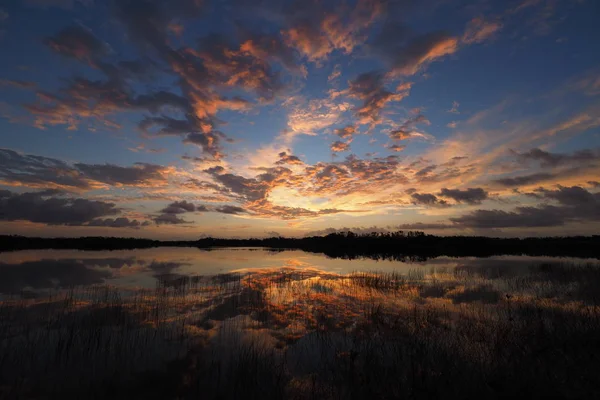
x=394, y=245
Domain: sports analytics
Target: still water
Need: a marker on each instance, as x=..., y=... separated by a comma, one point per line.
x=235, y=323
x=42, y=270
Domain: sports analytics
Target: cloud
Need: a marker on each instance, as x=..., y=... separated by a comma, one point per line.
x=338, y=147
x=425, y=171
x=335, y=73
x=454, y=109
x=523, y=217
x=408, y=129
x=547, y=159
x=574, y=196
x=227, y=209
x=169, y=214
x=427, y=199
x=77, y=42
x=227, y=65
x=469, y=196
x=550, y=167
x=316, y=31
x=138, y=174
x=273, y=234
x=245, y=189
x=349, y=177
x=37, y=171
x=169, y=219
x=17, y=169
x=180, y=207
x=396, y=148
x=121, y=222
x=17, y=83
x=370, y=88
x=346, y=132
x=271, y=47
x=479, y=30
x=289, y=159
x=418, y=226
x=422, y=51
x=588, y=83
x=316, y=115
x=66, y=4
x=407, y=56
x=52, y=208
x=575, y=204
x=529, y=179
x=216, y=64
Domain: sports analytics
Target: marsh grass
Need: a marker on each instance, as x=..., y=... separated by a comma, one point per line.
x=306, y=334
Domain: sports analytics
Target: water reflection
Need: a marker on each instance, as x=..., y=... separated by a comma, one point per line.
x=53, y=269
x=257, y=324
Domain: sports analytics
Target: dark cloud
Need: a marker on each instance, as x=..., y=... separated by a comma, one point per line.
x=407, y=129
x=526, y=179
x=169, y=219
x=419, y=226
x=227, y=209
x=574, y=204
x=370, y=88
x=138, y=174
x=560, y=165
x=427, y=199
x=121, y=222
x=247, y=189
x=53, y=209
x=190, y=115
x=193, y=159
x=574, y=196
x=469, y=196
x=179, y=207
x=169, y=214
x=285, y=158
x=408, y=55
x=346, y=132
x=425, y=171
x=193, y=130
x=522, y=217
x=77, y=42
x=37, y=171
x=547, y=159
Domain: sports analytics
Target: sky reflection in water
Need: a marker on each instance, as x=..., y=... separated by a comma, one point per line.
x=53, y=269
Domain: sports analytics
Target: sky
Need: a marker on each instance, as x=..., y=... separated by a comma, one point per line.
x=251, y=118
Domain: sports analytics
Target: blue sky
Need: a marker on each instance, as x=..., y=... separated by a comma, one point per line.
x=243, y=118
